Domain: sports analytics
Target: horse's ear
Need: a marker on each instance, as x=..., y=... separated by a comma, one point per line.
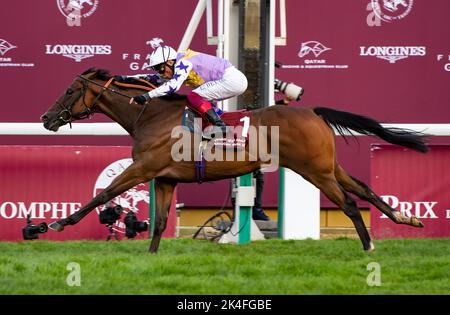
x=90, y=70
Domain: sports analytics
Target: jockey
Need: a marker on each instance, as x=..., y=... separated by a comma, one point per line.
x=212, y=78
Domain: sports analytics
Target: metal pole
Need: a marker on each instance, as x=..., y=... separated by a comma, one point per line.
x=193, y=24
x=152, y=209
x=220, y=28
x=280, y=218
x=245, y=212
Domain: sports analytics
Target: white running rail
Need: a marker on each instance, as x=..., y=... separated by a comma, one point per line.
x=114, y=129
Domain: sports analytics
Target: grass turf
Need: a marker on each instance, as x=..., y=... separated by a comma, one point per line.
x=186, y=266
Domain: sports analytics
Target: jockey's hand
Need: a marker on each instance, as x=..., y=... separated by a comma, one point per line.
x=153, y=79
x=119, y=78
x=141, y=99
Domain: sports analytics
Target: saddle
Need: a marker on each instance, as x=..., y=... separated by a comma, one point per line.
x=237, y=122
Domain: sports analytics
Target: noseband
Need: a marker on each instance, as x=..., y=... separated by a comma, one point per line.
x=66, y=114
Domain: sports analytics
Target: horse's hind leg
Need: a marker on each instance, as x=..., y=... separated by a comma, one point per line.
x=163, y=194
x=364, y=192
x=330, y=187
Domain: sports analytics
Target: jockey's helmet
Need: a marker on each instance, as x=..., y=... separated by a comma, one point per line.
x=161, y=55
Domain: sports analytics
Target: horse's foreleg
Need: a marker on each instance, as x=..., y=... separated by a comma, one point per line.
x=163, y=194
x=364, y=192
x=131, y=177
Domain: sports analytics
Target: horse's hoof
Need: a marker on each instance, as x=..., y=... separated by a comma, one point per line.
x=371, y=247
x=55, y=226
x=416, y=222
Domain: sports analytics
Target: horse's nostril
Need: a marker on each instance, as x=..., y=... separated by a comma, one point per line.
x=44, y=118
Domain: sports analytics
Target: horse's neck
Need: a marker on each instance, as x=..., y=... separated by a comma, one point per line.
x=120, y=110
x=132, y=116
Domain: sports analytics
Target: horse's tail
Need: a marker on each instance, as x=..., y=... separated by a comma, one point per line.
x=345, y=122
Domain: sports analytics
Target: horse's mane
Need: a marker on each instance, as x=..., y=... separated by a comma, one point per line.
x=105, y=75
x=101, y=74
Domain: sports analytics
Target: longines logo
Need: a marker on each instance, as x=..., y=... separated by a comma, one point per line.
x=393, y=53
x=78, y=52
x=74, y=10
x=5, y=61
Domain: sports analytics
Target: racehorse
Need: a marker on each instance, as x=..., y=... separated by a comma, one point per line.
x=306, y=146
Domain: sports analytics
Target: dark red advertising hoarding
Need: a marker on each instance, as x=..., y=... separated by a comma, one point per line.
x=386, y=59
x=415, y=184
x=52, y=182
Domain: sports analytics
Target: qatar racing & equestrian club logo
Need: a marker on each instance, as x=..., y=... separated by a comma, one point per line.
x=313, y=55
x=7, y=61
x=391, y=10
x=74, y=10
x=312, y=47
x=136, y=199
x=5, y=46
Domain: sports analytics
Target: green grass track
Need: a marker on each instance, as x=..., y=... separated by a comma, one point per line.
x=186, y=266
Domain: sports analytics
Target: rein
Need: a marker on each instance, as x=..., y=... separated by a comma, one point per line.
x=105, y=87
x=66, y=113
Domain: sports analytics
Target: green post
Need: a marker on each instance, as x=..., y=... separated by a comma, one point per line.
x=245, y=213
x=281, y=202
x=152, y=208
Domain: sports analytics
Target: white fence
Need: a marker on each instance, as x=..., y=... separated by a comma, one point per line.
x=114, y=129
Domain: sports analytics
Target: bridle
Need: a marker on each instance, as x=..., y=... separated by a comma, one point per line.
x=66, y=115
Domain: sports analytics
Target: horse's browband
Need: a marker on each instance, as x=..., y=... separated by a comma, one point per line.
x=150, y=86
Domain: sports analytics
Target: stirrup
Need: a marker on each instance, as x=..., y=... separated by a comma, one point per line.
x=214, y=131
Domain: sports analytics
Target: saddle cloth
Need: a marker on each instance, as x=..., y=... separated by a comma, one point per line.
x=238, y=123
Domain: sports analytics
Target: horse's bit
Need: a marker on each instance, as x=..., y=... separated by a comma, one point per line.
x=66, y=114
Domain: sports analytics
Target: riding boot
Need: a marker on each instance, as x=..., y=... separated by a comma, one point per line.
x=202, y=106
x=213, y=118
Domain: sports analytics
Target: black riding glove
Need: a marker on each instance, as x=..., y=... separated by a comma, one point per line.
x=141, y=99
x=119, y=78
x=153, y=79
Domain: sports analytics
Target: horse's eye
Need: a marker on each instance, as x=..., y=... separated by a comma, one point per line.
x=69, y=91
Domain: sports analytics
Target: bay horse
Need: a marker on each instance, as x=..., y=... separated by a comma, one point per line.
x=306, y=146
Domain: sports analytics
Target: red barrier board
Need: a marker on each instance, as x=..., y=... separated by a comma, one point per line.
x=389, y=60
x=415, y=184
x=52, y=182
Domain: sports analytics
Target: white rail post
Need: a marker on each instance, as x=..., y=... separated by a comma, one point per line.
x=192, y=26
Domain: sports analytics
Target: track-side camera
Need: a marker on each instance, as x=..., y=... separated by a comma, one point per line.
x=31, y=231
x=133, y=226
x=291, y=90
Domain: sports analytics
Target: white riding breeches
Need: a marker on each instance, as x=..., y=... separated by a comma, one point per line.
x=233, y=83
